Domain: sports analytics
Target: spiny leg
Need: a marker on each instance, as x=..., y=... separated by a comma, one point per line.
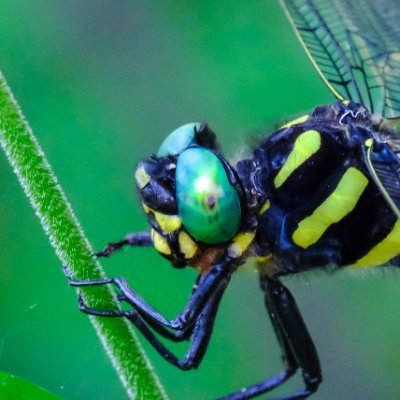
x=200, y=332
x=296, y=344
x=137, y=239
x=199, y=339
x=183, y=320
x=196, y=302
x=175, y=336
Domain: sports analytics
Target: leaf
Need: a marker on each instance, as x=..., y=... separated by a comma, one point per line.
x=12, y=387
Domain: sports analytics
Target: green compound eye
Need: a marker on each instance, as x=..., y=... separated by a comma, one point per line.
x=178, y=140
x=208, y=204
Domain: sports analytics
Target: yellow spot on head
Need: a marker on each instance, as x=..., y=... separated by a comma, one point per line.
x=336, y=206
x=297, y=121
x=168, y=223
x=187, y=245
x=346, y=102
x=142, y=177
x=305, y=145
x=160, y=243
x=146, y=208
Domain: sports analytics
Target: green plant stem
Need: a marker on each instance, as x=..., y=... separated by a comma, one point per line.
x=72, y=247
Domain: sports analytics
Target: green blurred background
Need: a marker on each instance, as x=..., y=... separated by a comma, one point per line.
x=102, y=83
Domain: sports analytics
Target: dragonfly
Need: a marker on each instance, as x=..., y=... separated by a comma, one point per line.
x=322, y=191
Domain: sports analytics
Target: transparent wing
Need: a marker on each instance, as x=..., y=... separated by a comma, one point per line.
x=355, y=47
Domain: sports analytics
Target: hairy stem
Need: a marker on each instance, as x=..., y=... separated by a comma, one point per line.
x=72, y=247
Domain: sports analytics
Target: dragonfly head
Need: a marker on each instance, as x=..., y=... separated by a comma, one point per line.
x=192, y=197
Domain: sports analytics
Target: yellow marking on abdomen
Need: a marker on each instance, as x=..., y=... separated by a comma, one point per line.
x=307, y=144
x=383, y=252
x=160, y=243
x=296, y=121
x=336, y=206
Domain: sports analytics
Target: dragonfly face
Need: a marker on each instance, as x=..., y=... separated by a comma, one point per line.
x=192, y=197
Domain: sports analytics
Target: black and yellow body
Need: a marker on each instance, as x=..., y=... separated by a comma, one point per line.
x=321, y=192
x=322, y=204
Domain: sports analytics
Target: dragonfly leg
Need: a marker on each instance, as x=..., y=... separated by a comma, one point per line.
x=209, y=282
x=90, y=282
x=175, y=336
x=137, y=239
x=184, y=320
x=200, y=336
x=296, y=344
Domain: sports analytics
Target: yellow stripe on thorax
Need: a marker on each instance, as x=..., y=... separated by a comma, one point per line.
x=307, y=144
x=265, y=206
x=240, y=243
x=336, y=206
x=383, y=252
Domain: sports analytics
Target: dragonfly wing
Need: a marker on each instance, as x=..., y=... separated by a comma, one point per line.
x=355, y=47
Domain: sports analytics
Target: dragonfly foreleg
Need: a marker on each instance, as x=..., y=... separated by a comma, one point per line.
x=137, y=239
x=207, y=285
x=200, y=336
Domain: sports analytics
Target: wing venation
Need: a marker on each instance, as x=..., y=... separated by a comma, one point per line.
x=355, y=47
